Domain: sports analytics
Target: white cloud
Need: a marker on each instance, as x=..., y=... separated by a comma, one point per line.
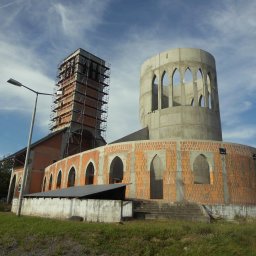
x=30, y=53
x=22, y=57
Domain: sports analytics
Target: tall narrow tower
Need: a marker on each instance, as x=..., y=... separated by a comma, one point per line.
x=179, y=95
x=80, y=102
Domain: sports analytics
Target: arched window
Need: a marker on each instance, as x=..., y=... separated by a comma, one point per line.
x=12, y=189
x=116, y=171
x=50, y=183
x=44, y=184
x=154, y=93
x=189, y=88
x=201, y=170
x=199, y=82
x=71, y=177
x=176, y=81
x=89, y=174
x=156, y=178
x=165, y=90
x=58, y=185
x=201, y=101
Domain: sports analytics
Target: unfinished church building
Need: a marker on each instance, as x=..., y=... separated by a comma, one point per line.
x=177, y=156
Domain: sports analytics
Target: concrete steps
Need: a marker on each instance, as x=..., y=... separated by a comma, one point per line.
x=156, y=209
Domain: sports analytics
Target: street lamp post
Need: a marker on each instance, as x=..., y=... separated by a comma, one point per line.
x=25, y=172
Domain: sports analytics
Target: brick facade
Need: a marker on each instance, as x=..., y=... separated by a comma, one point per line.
x=232, y=176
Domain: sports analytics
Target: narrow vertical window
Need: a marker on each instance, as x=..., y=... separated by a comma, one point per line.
x=71, y=177
x=165, y=90
x=155, y=93
x=176, y=85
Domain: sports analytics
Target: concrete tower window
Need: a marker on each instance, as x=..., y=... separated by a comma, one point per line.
x=156, y=178
x=50, y=183
x=89, y=174
x=201, y=170
x=176, y=84
x=201, y=101
x=44, y=184
x=12, y=189
x=116, y=173
x=199, y=84
x=58, y=185
x=154, y=93
x=189, y=89
x=165, y=90
x=71, y=177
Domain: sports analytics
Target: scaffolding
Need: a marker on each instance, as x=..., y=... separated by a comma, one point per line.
x=81, y=101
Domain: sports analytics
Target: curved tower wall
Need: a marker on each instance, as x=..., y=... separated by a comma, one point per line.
x=171, y=105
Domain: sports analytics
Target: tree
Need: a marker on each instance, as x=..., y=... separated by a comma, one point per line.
x=5, y=174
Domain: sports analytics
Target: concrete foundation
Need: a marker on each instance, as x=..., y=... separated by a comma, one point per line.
x=90, y=210
x=230, y=212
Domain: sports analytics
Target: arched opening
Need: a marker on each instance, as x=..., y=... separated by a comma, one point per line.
x=201, y=101
x=199, y=82
x=176, y=88
x=116, y=173
x=165, y=90
x=12, y=189
x=156, y=178
x=192, y=102
x=154, y=93
x=44, y=184
x=71, y=177
x=50, y=183
x=201, y=170
x=189, y=88
x=58, y=185
x=89, y=174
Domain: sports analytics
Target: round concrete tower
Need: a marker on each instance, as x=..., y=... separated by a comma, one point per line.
x=179, y=95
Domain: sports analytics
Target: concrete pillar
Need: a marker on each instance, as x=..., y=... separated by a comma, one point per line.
x=194, y=74
x=224, y=179
x=133, y=173
x=179, y=181
x=159, y=86
x=100, y=167
x=183, y=94
x=205, y=91
x=170, y=90
x=9, y=189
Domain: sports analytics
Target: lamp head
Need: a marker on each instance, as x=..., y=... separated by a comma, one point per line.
x=14, y=82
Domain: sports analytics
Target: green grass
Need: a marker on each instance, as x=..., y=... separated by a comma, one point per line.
x=39, y=236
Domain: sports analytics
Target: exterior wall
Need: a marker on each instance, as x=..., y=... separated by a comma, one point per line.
x=89, y=210
x=232, y=176
x=230, y=212
x=42, y=155
x=173, y=115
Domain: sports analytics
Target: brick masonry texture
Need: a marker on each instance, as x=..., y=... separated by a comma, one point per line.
x=238, y=163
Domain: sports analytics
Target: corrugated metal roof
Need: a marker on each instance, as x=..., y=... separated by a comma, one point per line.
x=78, y=191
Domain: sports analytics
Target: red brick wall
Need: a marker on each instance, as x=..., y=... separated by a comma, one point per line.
x=240, y=168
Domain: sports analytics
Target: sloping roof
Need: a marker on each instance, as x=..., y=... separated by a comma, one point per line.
x=142, y=134
x=87, y=191
x=49, y=136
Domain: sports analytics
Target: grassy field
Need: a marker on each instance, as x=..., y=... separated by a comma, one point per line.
x=38, y=236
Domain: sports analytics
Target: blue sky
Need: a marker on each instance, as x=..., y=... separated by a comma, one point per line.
x=36, y=35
